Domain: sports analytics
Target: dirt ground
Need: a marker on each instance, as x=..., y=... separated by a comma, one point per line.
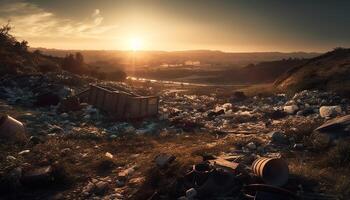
x=78, y=160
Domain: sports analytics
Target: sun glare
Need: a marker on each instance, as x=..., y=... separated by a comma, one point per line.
x=135, y=43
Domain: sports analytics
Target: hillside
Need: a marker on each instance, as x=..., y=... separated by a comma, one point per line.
x=330, y=71
x=15, y=57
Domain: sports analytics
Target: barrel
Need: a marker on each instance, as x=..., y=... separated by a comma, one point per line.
x=273, y=171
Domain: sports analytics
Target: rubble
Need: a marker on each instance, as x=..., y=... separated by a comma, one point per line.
x=330, y=111
x=265, y=125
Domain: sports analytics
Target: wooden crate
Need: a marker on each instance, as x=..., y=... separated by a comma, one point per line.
x=122, y=105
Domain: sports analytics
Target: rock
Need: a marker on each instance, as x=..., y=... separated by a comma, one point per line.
x=123, y=175
x=24, y=152
x=35, y=140
x=163, y=160
x=65, y=151
x=12, y=130
x=136, y=181
x=120, y=183
x=95, y=186
x=298, y=146
x=251, y=146
x=100, y=187
x=11, y=158
x=64, y=115
x=330, y=111
x=109, y=155
x=291, y=109
x=38, y=176
x=261, y=149
x=278, y=137
x=113, y=136
x=191, y=193
x=55, y=129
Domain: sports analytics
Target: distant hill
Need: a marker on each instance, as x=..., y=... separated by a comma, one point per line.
x=156, y=58
x=329, y=71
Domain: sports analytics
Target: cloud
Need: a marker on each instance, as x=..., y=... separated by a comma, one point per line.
x=29, y=20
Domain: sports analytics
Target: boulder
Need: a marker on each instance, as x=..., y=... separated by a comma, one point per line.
x=330, y=111
x=12, y=130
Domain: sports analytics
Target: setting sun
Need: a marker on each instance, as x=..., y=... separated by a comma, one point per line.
x=135, y=43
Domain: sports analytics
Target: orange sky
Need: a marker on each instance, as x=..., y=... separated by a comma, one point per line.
x=238, y=26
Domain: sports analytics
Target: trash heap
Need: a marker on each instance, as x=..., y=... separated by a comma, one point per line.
x=195, y=113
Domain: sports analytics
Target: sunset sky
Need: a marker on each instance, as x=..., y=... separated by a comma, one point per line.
x=232, y=25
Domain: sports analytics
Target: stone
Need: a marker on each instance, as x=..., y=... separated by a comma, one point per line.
x=35, y=140
x=109, y=155
x=261, y=149
x=298, y=146
x=11, y=158
x=124, y=174
x=100, y=187
x=191, y=193
x=24, y=152
x=120, y=183
x=330, y=111
x=278, y=137
x=291, y=109
x=64, y=115
x=163, y=160
x=251, y=146
x=65, y=151
x=12, y=130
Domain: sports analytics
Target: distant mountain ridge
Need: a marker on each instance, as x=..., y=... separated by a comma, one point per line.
x=159, y=57
x=329, y=71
